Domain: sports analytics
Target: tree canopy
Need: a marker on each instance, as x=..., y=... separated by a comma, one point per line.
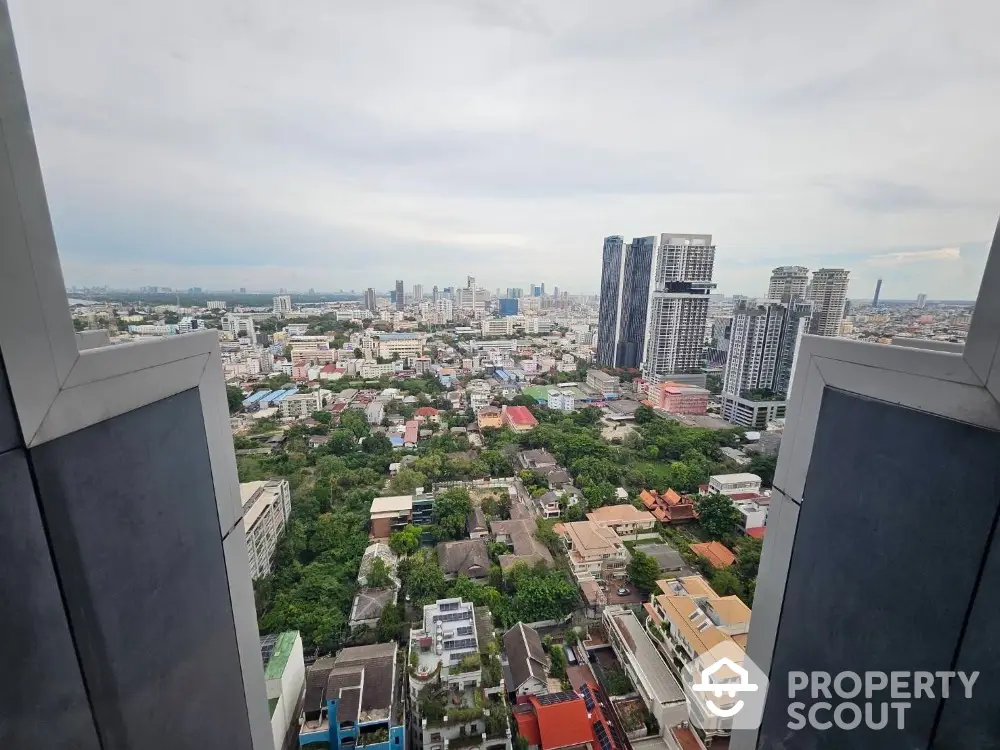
x=643, y=571
x=717, y=515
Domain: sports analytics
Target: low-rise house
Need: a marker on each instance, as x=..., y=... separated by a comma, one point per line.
x=624, y=520
x=427, y=414
x=669, y=507
x=595, y=552
x=518, y=418
x=352, y=700
x=519, y=535
x=526, y=660
x=478, y=529
x=488, y=417
x=551, y=503
x=717, y=554
x=389, y=514
x=468, y=557
x=536, y=459
x=411, y=434
x=565, y=720
x=734, y=485
x=371, y=600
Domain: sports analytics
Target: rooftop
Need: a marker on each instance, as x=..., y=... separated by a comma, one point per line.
x=742, y=478
x=646, y=658
x=589, y=538
x=465, y=557
x=611, y=514
x=717, y=554
x=391, y=504
x=275, y=650
x=520, y=415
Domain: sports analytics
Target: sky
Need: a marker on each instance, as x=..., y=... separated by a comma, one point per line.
x=339, y=145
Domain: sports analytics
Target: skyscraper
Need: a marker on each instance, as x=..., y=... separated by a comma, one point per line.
x=400, y=295
x=788, y=282
x=435, y=294
x=878, y=290
x=282, y=305
x=470, y=282
x=625, y=279
x=418, y=293
x=828, y=292
x=921, y=301
x=678, y=305
x=370, y=299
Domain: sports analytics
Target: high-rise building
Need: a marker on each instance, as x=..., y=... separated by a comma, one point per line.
x=418, y=293
x=878, y=290
x=788, y=283
x=400, y=295
x=921, y=301
x=853, y=473
x=470, y=282
x=435, y=294
x=125, y=579
x=507, y=306
x=243, y=290
x=370, y=299
x=625, y=281
x=678, y=306
x=282, y=305
x=828, y=292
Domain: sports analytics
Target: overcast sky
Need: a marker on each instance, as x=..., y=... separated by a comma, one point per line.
x=334, y=144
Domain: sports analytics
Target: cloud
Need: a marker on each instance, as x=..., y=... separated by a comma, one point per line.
x=916, y=256
x=350, y=144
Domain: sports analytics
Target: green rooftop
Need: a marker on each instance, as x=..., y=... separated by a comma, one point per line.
x=537, y=392
x=279, y=657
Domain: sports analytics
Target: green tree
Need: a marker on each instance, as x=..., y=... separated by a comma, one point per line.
x=643, y=571
x=406, y=541
x=323, y=417
x=557, y=659
x=354, y=420
x=422, y=578
x=644, y=414
x=571, y=637
x=713, y=383
x=748, y=558
x=390, y=624
x=406, y=481
x=376, y=444
x=342, y=442
x=717, y=515
x=235, y=398
x=763, y=466
x=380, y=575
x=451, y=513
x=726, y=583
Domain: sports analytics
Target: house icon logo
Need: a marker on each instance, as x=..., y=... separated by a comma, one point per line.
x=724, y=689
x=720, y=689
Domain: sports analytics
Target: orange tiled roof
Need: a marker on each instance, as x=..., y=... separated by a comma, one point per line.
x=716, y=553
x=563, y=724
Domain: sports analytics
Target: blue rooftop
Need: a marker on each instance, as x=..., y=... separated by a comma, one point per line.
x=397, y=336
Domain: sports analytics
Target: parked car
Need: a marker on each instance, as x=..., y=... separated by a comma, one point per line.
x=622, y=591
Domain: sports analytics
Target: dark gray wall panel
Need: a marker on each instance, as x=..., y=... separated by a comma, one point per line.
x=897, y=509
x=975, y=722
x=42, y=698
x=9, y=434
x=132, y=514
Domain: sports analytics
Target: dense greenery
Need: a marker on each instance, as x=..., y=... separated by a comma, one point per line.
x=717, y=515
x=643, y=571
x=763, y=466
x=235, y=398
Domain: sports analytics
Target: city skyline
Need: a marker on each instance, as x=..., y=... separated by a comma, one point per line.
x=184, y=161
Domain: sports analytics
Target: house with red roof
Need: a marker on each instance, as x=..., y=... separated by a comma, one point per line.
x=518, y=418
x=410, y=436
x=669, y=507
x=717, y=554
x=427, y=414
x=565, y=720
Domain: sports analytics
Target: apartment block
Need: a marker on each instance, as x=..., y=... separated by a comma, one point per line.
x=267, y=507
x=301, y=404
x=828, y=293
x=284, y=674
x=625, y=519
x=678, y=398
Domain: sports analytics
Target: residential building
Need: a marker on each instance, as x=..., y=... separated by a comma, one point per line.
x=487, y=417
x=526, y=660
x=370, y=299
x=595, y=552
x=400, y=295
x=371, y=600
x=518, y=418
x=282, y=305
x=215, y=304
x=668, y=507
x=389, y=514
x=678, y=398
x=678, y=306
x=754, y=413
x=605, y=384
x=645, y=666
x=687, y=620
x=151, y=329
x=354, y=700
x=267, y=507
x=736, y=486
x=536, y=459
x=550, y=505
x=301, y=404
x=497, y=326
x=465, y=557
x=559, y=400
x=418, y=293
x=788, y=283
x=507, y=306
x=445, y=646
x=284, y=675
x=828, y=293
x=393, y=345
x=625, y=284
x=625, y=520
x=519, y=535
x=878, y=291
x=566, y=720
x=476, y=524
x=921, y=301
x=716, y=554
